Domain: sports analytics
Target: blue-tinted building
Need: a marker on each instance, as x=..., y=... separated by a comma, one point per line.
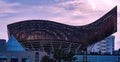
x=12, y=51
x=2, y=45
x=14, y=45
x=105, y=46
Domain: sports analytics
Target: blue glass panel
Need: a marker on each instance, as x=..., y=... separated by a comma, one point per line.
x=14, y=45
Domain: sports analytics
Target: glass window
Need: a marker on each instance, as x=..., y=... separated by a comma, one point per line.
x=36, y=57
x=24, y=60
x=3, y=60
x=14, y=60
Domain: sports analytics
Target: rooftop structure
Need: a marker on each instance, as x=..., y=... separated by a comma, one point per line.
x=14, y=45
x=47, y=35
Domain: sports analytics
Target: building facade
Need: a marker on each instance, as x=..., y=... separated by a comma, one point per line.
x=12, y=51
x=105, y=46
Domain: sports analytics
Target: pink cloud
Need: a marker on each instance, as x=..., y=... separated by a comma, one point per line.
x=73, y=12
x=7, y=7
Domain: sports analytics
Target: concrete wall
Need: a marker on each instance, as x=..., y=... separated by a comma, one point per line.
x=30, y=55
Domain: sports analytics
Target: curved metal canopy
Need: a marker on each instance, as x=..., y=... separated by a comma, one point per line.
x=48, y=30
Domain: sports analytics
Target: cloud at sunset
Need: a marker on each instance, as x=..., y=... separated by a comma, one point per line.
x=72, y=12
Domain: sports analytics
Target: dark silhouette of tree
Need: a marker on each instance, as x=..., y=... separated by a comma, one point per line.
x=70, y=56
x=46, y=59
x=65, y=56
x=59, y=56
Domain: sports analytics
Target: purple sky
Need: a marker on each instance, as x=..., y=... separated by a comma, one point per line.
x=72, y=12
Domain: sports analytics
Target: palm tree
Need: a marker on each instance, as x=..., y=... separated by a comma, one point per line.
x=58, y=55
x=45, y=59
x=69, y=57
